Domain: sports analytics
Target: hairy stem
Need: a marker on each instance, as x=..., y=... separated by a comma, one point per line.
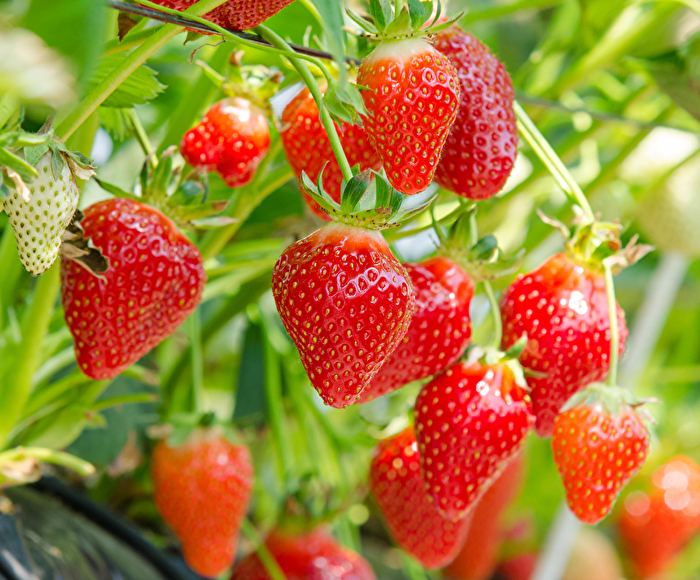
x=108, y=85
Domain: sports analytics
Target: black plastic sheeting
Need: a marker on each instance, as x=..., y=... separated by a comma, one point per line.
x=58, y=534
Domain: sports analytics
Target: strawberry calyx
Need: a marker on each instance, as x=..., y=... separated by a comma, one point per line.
x=613, y=401
x=491, y=356
x=385, y=23
x=257, y=83
x=592, y=243
x=367, y=201
x=191, y=428
x=481, y=259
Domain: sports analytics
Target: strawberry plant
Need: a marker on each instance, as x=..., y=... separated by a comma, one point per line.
x=306, y=290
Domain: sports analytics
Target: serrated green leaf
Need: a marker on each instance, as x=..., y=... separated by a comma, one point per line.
x=139, y=88
x=116, y=122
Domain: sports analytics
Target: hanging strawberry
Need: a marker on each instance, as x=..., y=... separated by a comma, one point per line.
x=235, y=14
x=411, y=93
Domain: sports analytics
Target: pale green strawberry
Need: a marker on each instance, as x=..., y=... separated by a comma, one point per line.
x=39, y=223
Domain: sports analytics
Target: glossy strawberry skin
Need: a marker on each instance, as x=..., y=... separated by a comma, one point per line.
x=596, y=454
x=154, y=281
x=313, y=555
x=346, y=302
x=655, y=526
x=471, y=421
x=480, y=150
x=232, y=139
x=409, y=512
x=478, y=557
x=412, y=97
x=235, y=14
x=563, y=308
x=202, y=490
x=440, y=329
x=308, y=149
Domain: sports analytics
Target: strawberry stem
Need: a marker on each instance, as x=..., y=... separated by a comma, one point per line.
x=495, y=314
x=267, y=559
x=551, y=160
x=315, y=91
x=141, y=135
x=196, y=402
x=120, y=73
x=78, y=465
x=614, y=330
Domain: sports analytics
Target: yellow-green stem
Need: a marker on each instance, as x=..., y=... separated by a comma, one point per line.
x=495, y=314
x=614, y=330
x=267, y=559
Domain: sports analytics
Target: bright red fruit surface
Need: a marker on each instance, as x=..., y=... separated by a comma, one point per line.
x=655, y=526
x=480, y=150
x=478, y=557
x=346, y=302
x=563, y=308
x=471, y=421
x=412, y=98
x=313, y=555
x=308, y=149
x=154, y=281
x=596, y=454
x=202, y=490
x=236, y=14
x=409, y=512
x=440, y=329
x=232, y=138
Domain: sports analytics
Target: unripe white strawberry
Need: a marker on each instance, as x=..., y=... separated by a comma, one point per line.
x=39, y=223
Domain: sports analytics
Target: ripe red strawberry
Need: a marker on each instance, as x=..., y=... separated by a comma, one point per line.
x=519, y=567
x=478, y=557
x=202, y=490
x=471, y=421
x=235, y=14
x=412, y=97
x=308, y=149
x=154, y=281
x=655, y=526
x=409, y=512
x=597, y=452
x=314, y=555
x=440, y=329
x=232, y=138
x=346, y=302
x=481, y=147
x=563, y=309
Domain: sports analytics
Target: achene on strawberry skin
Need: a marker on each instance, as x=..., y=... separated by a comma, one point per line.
x=596, y=454
x=346, y=302
x=154, y=282
x=235, y=14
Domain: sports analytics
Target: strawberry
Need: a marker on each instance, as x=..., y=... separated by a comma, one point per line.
x=399, y=490
x=655, y=526
x=597, y=449
x=313, y=555
x=39, y=223
x=235, y=14
x=471, y=420
x=440, y=329
x=519, y=567
x=154, y=281
x=232, y=139
x=346, y=302
x=563, y=308
x=480, y=150
x=308, y=149
x=202, y=490
x=412, y=97
x=478, y=557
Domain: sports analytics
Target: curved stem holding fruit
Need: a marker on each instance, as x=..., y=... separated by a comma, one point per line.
x=551, y=160
x=313, y=87
x=495, y=314
x=268, y=561
x=614, y=330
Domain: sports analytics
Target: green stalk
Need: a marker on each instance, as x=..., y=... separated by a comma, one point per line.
x=103, y=404
x=614, y=330
x=140, y=134
x=268, y=561
x=495, y=314
x=16, y=381
x=197, y=361
x=551, y=160
x=313, y=87
x=48, y=456
x=11, y=269
x=107, y=86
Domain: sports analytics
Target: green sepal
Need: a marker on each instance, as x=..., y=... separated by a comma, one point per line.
x=492, y=356
x=199, y=211
x=4, y=191
x=418, y=13
x=344, y=103
x=354, y=190
x=381, y=13
x=181, y=426
x=360, y=21
x=400, y=25
x=209, y=223
x=613, y=400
